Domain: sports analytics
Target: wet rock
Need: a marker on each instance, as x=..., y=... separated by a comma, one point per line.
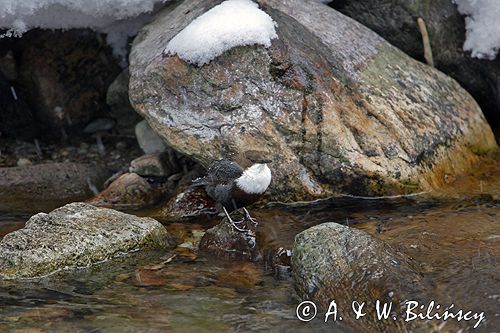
x=335, y=262
x=99, y=125
x=396, y=21
x=191, y=203
x=119, y=104
x=65, y=74
x=225, y=242
x=338, y=107
x=75, y=235
x=148, y=140
x=43, y=187
x=132, y=192
x=157, y=165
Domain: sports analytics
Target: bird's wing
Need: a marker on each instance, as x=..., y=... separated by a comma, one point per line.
x=220, y=172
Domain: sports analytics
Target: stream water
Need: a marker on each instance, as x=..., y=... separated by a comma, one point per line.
x=456, y=243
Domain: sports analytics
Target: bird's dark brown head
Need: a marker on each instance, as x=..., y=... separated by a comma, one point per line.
x=250, y=157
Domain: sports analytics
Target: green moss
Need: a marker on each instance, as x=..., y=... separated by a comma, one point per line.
x=480, y=150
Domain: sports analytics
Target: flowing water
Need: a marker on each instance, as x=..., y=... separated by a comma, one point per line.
x=456, y=243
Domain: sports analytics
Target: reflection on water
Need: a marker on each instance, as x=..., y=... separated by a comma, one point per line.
x=184, y=297
x=456, y=242
x=456, y=245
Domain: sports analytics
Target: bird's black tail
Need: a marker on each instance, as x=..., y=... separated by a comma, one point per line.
x=202, y=181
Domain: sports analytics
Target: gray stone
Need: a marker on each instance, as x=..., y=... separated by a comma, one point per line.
x=43, y=187
x=76, y=235
x=99, y=125
x=148, y=140
x=119, y=104
x=335, y=262
x=157, y=165
x=338, y=107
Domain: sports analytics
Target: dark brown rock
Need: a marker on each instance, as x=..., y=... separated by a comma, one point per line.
x=64, y=75
x=191, y=203
x=225, y=242
x=43, y=187
x=16, y=117
x=131, y=192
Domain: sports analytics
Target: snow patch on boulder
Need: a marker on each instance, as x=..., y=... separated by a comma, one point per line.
x=232, y=23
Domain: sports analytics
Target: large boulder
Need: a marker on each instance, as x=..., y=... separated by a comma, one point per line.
x=335, y=262
x=396, y=21
x=338, y=107
x=75, y=235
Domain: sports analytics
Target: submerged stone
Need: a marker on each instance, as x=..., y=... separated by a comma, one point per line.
x=225, y=242
x=75, y=235
x=335, y=262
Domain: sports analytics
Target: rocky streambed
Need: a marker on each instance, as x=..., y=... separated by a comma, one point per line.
x=391, y=250
x=385, y=178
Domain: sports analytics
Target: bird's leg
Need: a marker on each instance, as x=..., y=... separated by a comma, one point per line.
x=233, y=223
x=251, y=219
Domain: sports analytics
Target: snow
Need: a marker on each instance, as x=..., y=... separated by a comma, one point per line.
x=482, y=23
x=120, y=19
x=232, y=23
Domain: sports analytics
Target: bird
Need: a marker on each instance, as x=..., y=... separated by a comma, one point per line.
x=237, y=183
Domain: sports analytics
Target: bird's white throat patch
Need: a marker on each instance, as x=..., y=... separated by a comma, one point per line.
x=255, y=179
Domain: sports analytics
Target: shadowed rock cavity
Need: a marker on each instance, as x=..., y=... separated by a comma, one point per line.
x=339, y=108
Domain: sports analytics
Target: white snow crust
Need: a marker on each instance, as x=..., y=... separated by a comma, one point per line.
x=232, y=23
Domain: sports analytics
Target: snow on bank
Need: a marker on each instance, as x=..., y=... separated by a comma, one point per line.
x=120, y=19
x=230, y=24
x=483, y=26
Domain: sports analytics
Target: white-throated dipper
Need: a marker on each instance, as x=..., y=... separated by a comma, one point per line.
x=237, y=183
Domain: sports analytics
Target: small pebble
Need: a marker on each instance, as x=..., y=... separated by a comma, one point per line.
x=23, y=162
x=121, y=145
x=64, y=152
